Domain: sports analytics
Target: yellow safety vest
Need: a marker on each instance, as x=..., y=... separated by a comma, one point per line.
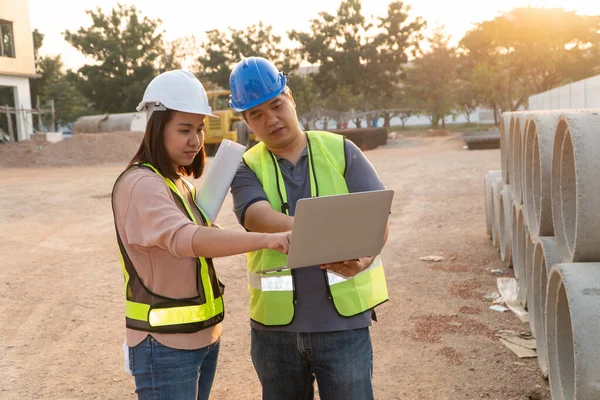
x=148, y=311
x=272, y=294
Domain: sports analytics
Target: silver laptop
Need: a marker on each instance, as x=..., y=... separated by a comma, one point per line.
x=338, y=228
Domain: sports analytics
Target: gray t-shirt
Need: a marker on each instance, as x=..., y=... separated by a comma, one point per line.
x=314, y=311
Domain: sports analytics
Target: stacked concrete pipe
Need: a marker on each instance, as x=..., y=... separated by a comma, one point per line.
x=505, y=226
x=505, y=122
x=514, y=117
x=537, y=172
x=515, y=155
x=573, y=290
x=489, y=180
x=548, y=225
x=497, y=187
x=545, y=255
x=519, y=233
x=572, y=326
x=576, y=186
x=529, y=243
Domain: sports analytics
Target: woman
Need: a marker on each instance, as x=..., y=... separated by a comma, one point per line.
x=174, y=300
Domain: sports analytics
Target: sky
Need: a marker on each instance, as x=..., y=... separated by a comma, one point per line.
x=193, y=17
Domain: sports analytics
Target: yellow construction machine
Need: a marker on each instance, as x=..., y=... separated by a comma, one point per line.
x=230, y=124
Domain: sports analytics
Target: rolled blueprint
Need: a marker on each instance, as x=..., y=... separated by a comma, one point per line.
x=214, y=187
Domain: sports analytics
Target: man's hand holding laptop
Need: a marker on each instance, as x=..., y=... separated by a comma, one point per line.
x=349, y=267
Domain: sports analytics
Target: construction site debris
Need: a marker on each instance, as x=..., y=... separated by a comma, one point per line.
x=520, y=351
x=80, y=149
x=492, y=296
x=509, y=290
x=522, y=339
x=432, y=258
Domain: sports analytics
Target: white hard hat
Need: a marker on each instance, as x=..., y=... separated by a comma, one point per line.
x=177, y=90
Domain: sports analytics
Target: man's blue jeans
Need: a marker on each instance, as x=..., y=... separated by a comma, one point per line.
x=163, y=373
x=287, y=364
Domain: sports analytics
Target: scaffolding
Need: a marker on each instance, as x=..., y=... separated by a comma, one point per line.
x=7, y=110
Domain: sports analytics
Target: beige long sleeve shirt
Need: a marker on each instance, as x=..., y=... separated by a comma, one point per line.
x=157, y=235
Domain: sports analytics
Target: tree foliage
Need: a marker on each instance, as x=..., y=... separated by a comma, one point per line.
x=55, y=85
x=223, y=50
x=363, y=65
x=432, y=78
x=127, y=52
x=360, y=57
x=531, y=50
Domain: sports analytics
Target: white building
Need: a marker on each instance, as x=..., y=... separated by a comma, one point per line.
x=17, y=61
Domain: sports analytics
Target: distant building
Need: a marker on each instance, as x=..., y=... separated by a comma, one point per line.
x=16, y=65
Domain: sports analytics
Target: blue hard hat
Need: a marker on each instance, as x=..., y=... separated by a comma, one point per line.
x=253, y=81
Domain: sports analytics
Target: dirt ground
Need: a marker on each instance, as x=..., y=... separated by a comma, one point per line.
x=61, y=301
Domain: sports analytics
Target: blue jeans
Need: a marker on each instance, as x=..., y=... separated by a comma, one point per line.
x=163, y=373
x=287, y=364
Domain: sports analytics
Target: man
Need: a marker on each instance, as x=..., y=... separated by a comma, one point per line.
x=307, y=323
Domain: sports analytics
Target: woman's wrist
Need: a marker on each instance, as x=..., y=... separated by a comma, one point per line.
x=265, y=240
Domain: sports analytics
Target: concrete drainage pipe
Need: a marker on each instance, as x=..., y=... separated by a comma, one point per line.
x=514, y=131
x=504, y=145
x=497, y=187
x=529, y=243
x=516, y=156
x=576, y=186
x=572, y=326
x=545, y=255
x=537, y=171
x=518, y=250
x=490, y=178
x=505, y=226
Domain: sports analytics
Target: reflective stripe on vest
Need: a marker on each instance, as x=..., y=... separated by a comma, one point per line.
x=272, y=296
x=173, y=315
x=165, y=315
x=267, y=283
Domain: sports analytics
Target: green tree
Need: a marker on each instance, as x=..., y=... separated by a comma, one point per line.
x=38, y=41
x=433, y=78
x=498, y=86
x=127, y=49
x=467, y=98
x=69, y=103
x=54, y=85
x=342, y=105
x=36, y=84
x=222, y=50
x=173, y=54
x=403, y=103
x=338, y=44
x=404, y=115
x=530, y=50
x=309, y=103
x=364, y=57
x=399, y=37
